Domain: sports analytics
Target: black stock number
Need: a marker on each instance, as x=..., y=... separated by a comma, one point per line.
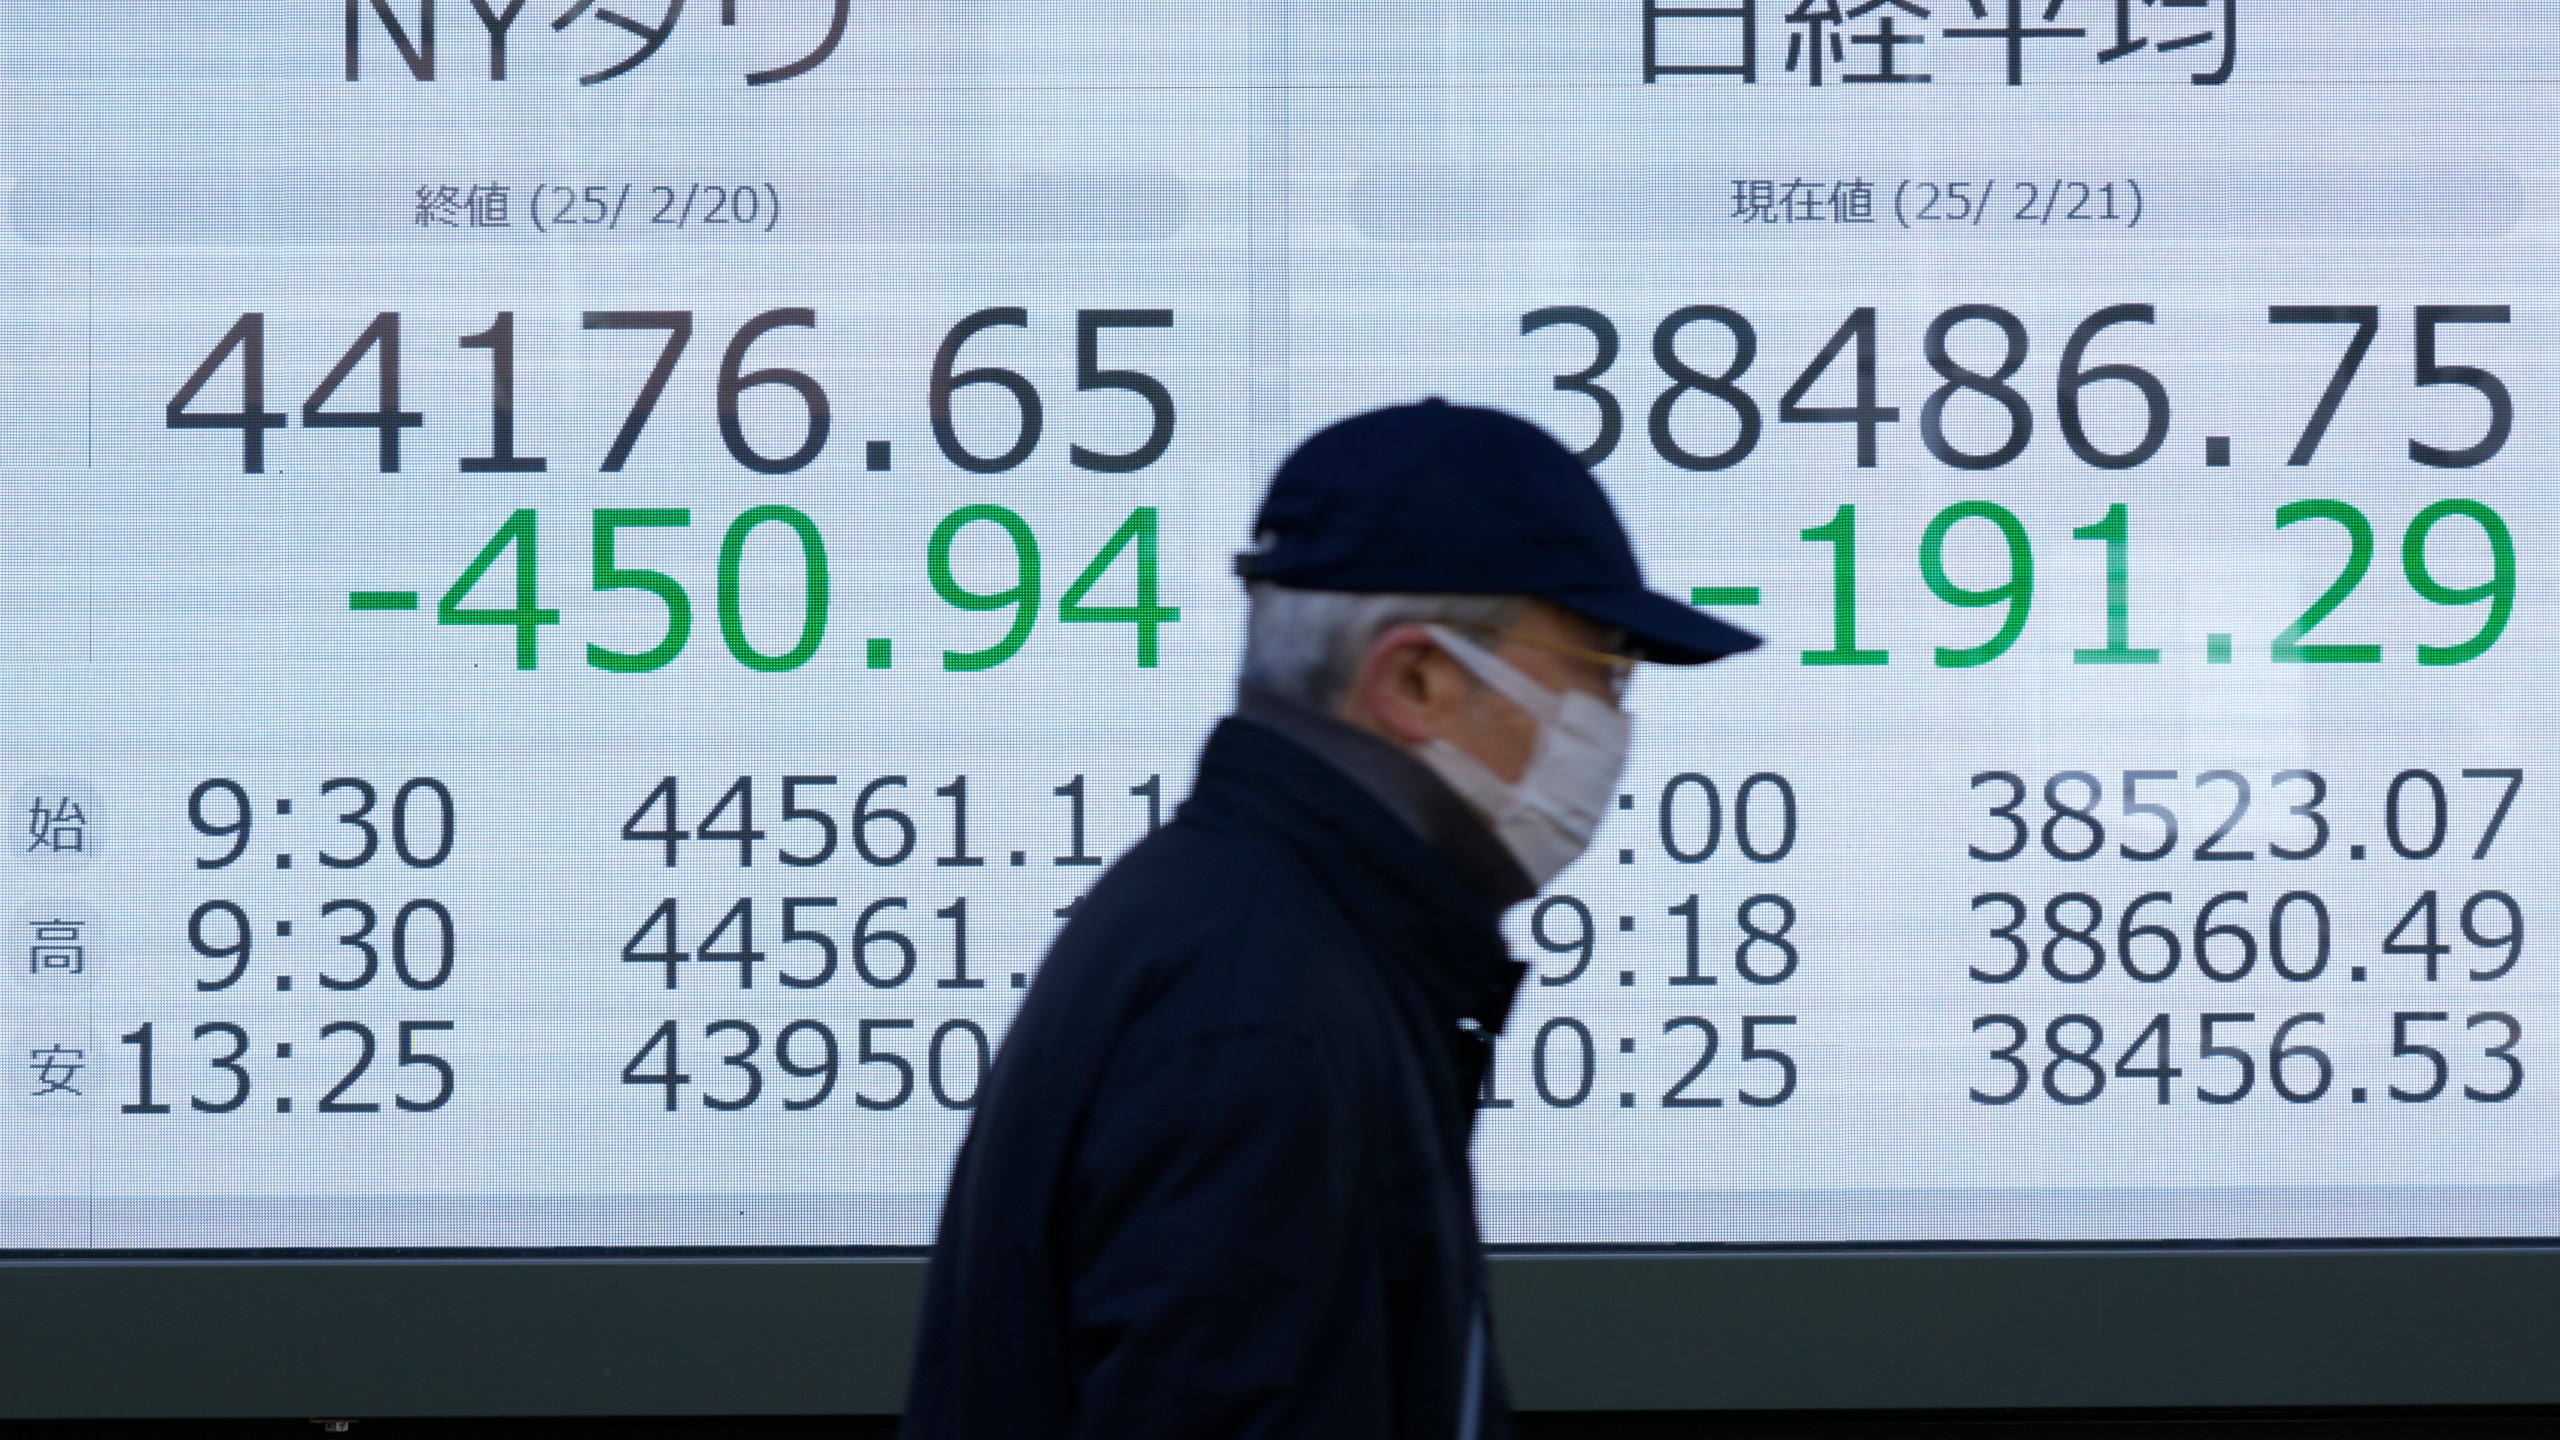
x=879, y=827
x=231, y=1056
x=2417, y=814
x=2071, y=1065
x=873, y=947
x=1993, y=420
x=882, y=1073
x=2152, y=939
x=421, y=821
x=804, y=430
x=1565, y=1063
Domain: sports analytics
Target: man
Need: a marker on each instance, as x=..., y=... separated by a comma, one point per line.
x=1217, y=1184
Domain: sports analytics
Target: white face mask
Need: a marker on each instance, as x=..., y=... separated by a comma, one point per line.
x=1548, y=816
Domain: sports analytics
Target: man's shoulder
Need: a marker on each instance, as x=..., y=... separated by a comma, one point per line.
x=1202, y=928
x=1191, y=885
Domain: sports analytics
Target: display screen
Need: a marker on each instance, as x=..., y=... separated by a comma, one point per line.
x=587, y=582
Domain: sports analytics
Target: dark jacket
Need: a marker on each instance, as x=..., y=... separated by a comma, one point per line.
x=1218, y=1184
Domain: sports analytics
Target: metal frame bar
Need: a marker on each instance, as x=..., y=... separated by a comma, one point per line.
x=609, y=1335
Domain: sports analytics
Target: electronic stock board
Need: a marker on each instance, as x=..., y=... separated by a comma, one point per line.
x=588, y=582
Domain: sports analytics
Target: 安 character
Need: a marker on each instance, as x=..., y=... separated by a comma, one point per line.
x=55, y=1067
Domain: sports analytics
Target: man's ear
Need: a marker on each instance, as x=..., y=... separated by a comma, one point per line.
x=1403, y=687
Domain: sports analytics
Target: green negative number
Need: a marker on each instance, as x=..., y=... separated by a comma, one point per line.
x=1135, y=538
x=2499, y=590
x=670, y=593
x=2017, y=592
x=1137, y=533
x=2288, y=647
x=2117, y=531
x=813, y=589
x=1022, y=596
x=517, y=534
x=1840, y=532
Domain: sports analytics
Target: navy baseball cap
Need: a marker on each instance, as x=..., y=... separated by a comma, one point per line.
x=1436, y=498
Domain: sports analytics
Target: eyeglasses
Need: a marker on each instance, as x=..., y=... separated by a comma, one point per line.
x=1621, y=668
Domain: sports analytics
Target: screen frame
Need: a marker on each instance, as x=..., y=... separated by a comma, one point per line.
x=732, y=1333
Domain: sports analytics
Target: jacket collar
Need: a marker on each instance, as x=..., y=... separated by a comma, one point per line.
x=1408, y=788
x=1403, y=889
